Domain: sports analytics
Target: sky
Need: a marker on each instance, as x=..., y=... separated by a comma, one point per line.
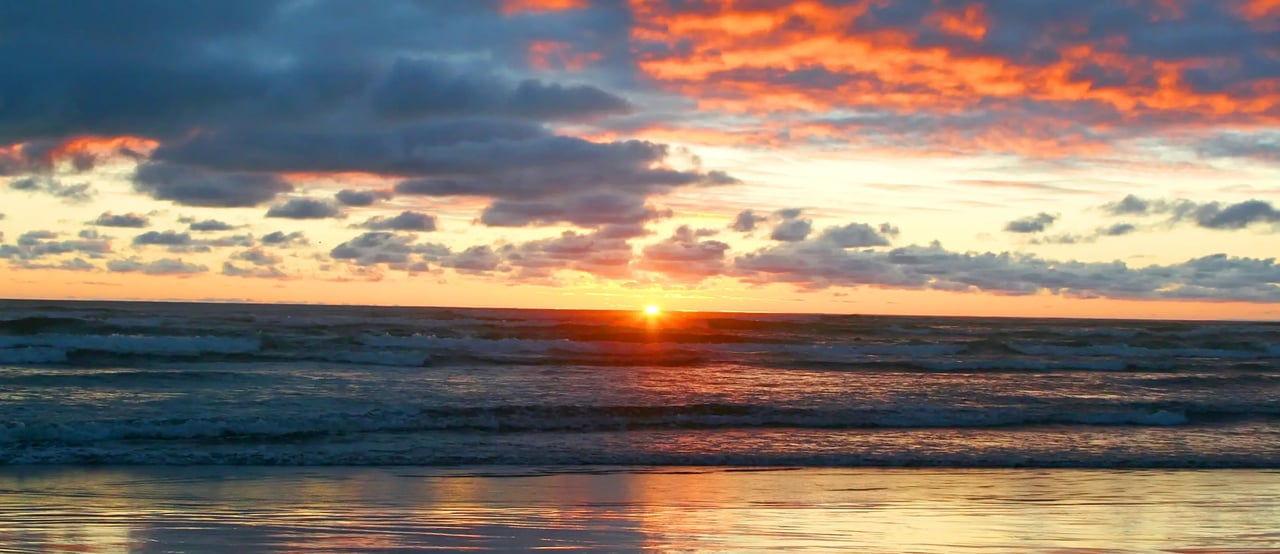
x=1059, y=158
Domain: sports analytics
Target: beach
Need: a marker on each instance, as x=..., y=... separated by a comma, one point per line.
x=612, y=509
x=130, y=427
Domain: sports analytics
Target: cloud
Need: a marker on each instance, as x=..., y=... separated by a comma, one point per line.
x=166, y=266
x=260, y=272
x=37, y=244
x=475, y=259
x=746, y=221
x=814, y=266
x=360, y=198
x=791, y=228
x=594, y=209
x=605, y=256
x=280, y=238
x=418, y=88
x=381, y=247
x=210, y=225
x=406, y=221
x=164, y=238
x=1208, y=215
x=304, y=208
x=71, y=194
x=1032, y=224
x=194, y=187
x=684, y=256
x=108, y=219
x=257, y=256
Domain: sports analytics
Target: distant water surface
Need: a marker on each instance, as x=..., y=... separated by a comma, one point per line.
x=161, y=383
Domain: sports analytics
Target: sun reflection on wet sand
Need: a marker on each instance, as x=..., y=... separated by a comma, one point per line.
x=663, y=509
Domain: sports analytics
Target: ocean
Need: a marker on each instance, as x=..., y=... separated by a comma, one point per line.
x=237, y=384
x=182, y=427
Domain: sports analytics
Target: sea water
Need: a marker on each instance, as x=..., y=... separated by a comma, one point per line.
x=232, y=384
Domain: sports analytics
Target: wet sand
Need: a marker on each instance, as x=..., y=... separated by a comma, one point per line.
x=407, y=509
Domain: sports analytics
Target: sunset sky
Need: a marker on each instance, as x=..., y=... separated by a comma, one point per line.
x=1115, y=158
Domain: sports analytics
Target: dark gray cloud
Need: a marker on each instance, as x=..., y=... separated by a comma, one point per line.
x=165, y=238
x=858, y=235
x=210, y=225
x=360, y=198
x=594, y=209
x=791, y=228
x=746, y=221
x=195, y=187
x=108, y=219
x=384, y=248
x=1031, y=224
x=428, y=88
x=257, y=256
x=37, y=244
x=71, y=194
x=166, y=266
x=406, y=221
x=1209, y=215
x=280, y=238
x=304, y=208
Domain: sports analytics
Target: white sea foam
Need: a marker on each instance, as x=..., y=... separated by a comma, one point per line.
x=1127, y=351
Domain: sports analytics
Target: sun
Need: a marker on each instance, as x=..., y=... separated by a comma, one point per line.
x=652, y=310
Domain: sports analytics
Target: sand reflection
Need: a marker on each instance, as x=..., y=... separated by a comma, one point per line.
x=208, y=509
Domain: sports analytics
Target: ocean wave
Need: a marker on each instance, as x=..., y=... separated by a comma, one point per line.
x=523, y=419
x=134, y=344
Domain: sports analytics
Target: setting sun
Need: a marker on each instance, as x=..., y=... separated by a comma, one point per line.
x=652, y=310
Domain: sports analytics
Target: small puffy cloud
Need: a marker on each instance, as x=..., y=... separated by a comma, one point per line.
x=476, y=259
x=167, y=266
x=260, y=272
x=381, y=247
x=592, y=253
x=210, y=225
x=281, y=238
x=1129, y=205
x=1209, y=215
x=163, y=238
x=406, y=221
x=257, y=256
x=1032, y=224
x=71, y=194
x=791, y=228
x=684, y=256
x=360, y=198
x=1118, y=229
x=1235, y=216
x=37, y=244
x=858, y=235
x=196, y=187
x=746, y=221
x=108, y=219
x=304, y=208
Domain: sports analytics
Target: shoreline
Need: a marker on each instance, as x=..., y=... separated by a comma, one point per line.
x=606, y=508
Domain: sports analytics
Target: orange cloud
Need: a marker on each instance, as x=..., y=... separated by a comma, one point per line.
x=510, y=7
x=104, y=146
x=808, y=56
x=1260, y=9
x=549, y=54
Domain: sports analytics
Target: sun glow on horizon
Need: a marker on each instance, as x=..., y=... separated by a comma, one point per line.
x=652, y=310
